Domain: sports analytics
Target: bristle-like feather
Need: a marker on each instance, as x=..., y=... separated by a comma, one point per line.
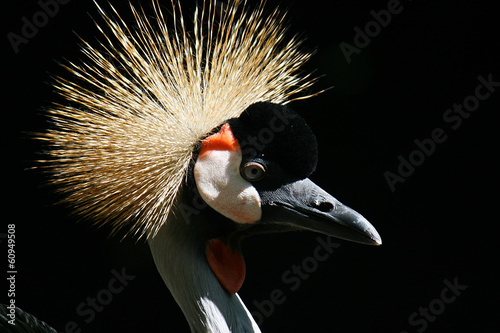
x=142, y=101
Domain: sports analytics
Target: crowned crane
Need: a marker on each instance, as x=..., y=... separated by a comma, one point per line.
x=184, y=136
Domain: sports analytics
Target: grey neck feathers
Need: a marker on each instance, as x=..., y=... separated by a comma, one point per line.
x=179, y=254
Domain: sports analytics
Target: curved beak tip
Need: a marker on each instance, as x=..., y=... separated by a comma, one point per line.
x=372, y=233
x=369, y=237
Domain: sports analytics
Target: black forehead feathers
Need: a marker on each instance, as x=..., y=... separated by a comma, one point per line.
x=277, y=133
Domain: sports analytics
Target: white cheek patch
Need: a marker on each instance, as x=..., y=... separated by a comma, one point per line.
x=218, y=179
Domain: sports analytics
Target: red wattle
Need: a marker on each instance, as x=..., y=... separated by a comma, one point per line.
x=227, y=265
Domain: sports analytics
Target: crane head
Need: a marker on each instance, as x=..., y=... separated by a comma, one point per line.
x=159, y=104
x=254, y=172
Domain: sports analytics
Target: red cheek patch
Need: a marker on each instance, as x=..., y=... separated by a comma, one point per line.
x=222, y=140
x=227, y=265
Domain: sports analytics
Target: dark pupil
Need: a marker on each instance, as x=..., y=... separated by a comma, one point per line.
x=252, y=172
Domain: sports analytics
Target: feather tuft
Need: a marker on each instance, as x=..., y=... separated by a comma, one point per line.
x=138, y=106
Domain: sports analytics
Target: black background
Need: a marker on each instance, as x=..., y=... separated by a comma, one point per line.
x=441, y=223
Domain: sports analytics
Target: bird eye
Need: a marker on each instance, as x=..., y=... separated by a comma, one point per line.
x=253, y=172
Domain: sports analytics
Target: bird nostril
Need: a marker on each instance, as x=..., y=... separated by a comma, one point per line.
x=323, y=206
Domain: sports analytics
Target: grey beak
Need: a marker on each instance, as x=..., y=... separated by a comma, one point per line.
x=304, y=205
